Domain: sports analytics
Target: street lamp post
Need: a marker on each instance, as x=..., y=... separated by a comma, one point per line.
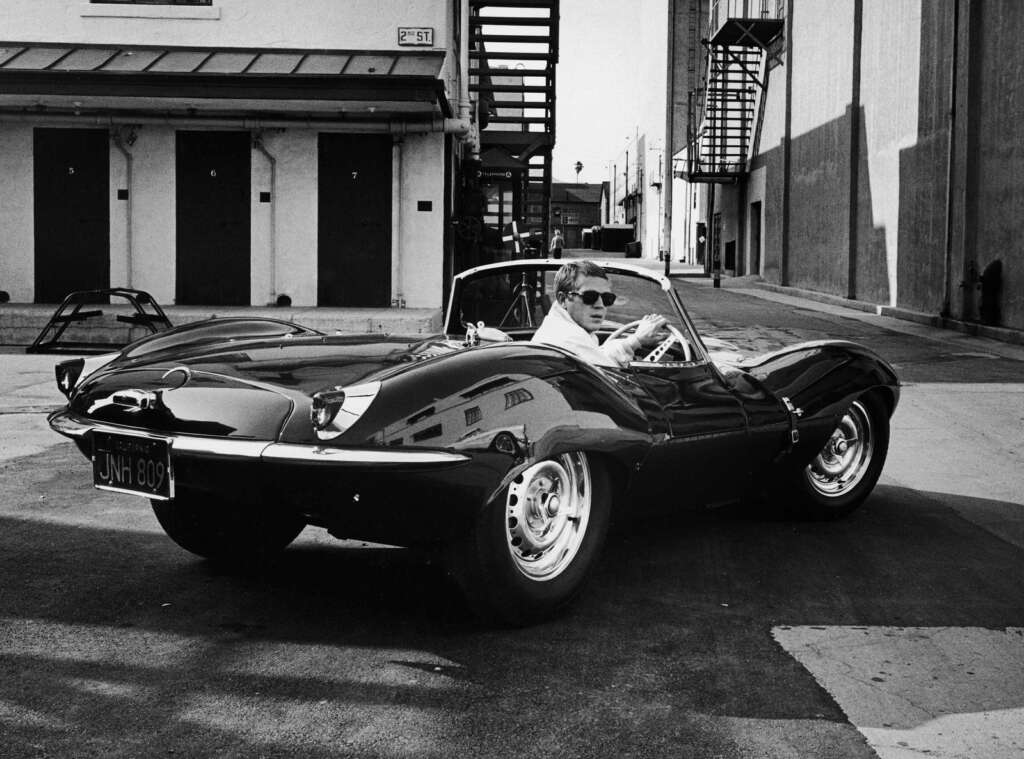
x=579, y=168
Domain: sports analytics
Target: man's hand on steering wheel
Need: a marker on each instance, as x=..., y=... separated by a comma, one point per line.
x=648, y=330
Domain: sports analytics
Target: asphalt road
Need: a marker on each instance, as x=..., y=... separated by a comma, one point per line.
x=893, y=633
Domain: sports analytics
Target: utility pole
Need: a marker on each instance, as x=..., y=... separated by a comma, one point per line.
x=579, y=168
x=668, y=174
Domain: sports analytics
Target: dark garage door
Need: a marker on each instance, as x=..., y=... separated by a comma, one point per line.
x=354, y=220
x=213, y=206
x=72, y=211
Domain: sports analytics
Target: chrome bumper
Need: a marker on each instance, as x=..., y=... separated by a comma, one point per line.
x=263, y=450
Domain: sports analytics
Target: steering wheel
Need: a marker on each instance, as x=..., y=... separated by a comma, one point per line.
x=659, y=351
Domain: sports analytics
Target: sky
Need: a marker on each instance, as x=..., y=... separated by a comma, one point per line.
x=597, y=99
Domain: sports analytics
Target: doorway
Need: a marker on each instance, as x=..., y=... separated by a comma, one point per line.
x=71, y=172
x=755, y=237
x=213, y=218
x=354, y=220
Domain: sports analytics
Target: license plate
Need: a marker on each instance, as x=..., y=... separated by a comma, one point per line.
x=130, y=464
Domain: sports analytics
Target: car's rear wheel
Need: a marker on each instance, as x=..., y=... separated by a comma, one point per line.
x=530, y=551
x=225, y=531
x=846, y=469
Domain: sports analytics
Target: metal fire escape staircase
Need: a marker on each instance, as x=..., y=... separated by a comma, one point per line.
x=723, y=113
x=513, y=57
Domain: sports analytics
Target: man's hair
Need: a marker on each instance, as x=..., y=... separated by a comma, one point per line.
x=565, y=277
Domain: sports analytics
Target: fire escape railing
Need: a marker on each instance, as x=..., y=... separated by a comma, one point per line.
x=722, y=113
x=513, y=56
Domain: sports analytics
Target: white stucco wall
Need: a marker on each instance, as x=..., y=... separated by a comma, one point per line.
x=822, y=76
x=352, y=24
x=17, y=235
x=422, y=232
x=294, y=253
x=773, y=121
x=890, y=68
x=292, y=250
x=295, y=204
x=154, y=231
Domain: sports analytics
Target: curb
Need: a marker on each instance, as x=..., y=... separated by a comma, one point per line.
x=1002, y=334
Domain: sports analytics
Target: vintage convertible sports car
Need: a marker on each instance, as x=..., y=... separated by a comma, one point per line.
x=509, y=456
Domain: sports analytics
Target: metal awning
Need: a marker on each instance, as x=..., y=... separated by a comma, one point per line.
x=300, y=84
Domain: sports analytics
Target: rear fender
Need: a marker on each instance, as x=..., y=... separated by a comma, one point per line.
x=821, y=379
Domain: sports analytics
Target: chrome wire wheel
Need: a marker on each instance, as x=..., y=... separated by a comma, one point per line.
x=547, y=510
x=847, y=456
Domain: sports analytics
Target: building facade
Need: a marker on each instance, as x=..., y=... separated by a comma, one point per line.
x=883, y=160
x=667, y=59
x=309, y=151
x=575, y=208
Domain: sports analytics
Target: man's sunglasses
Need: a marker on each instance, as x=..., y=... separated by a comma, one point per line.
x=589, y=297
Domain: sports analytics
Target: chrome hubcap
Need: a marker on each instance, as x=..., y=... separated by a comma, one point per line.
x=845, y=458
x=547, y=510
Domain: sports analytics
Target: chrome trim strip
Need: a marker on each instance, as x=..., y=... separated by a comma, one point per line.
x=151, y=496
x=65, y=424
x=320, y=455
x=244, y=449
x=264, y=450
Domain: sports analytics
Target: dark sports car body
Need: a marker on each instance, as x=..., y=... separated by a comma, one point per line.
x=510, y=456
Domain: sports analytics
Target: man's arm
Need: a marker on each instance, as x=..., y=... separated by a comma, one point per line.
x=621, y=350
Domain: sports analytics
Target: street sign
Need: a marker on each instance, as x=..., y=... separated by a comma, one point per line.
x=416, y=35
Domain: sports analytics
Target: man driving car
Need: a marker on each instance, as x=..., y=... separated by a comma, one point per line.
x=582, y=298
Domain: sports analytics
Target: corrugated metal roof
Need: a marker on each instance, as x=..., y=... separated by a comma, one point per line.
x=326, y=84
x=254, y=62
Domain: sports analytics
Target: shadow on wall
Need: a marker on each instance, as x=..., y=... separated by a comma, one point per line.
x=984, y=226
x=820, y=204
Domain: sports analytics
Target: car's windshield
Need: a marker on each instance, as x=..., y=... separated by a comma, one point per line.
x=516, y=301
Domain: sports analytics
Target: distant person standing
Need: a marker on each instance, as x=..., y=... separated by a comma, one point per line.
x=557, y=243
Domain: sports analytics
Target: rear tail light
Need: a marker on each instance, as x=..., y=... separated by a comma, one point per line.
x=335, y=410
x=67, y=373
x=71, y=373
x=326, y=405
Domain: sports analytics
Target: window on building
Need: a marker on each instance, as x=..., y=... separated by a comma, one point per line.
x=570, y=217
x=499, y=206
x=151, y=2
x=473, y=416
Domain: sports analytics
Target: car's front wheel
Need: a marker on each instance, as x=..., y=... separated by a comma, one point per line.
x=530, y=551
x=846, y=469
x=224, y=531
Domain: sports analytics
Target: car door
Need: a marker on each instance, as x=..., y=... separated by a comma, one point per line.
x=704, y=458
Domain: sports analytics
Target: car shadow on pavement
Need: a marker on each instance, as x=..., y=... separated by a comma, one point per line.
x=115, y=640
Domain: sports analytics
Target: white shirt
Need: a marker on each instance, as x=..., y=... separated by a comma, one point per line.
x=559, y=329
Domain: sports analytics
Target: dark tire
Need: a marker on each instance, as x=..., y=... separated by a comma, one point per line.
x=531, y=550
x=225, y=531
x=846, y=469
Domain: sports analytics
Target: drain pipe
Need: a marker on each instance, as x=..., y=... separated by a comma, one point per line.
x=466, y=131
x=398, y=299
x=947, y=270
x=123, y=138
x=257, y=143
